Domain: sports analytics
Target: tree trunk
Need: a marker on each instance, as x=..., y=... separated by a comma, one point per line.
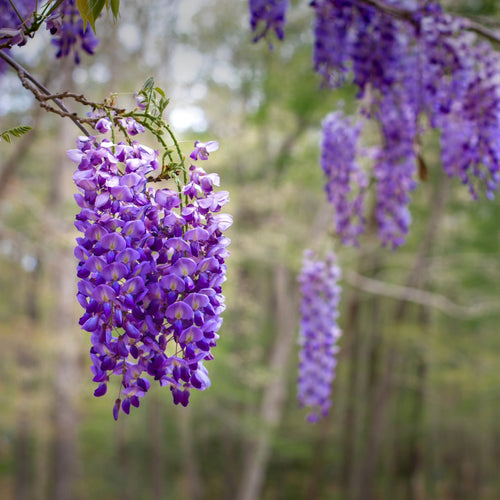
x=274, y=395
x=66, y=334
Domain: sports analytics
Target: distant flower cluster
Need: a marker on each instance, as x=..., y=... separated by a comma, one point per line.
x=319, y=332
x=346, y=182
x=427, y=64
x=65, y=25
x=68, y=32
x=151, y=263
x=11, y=23
x=268, y=15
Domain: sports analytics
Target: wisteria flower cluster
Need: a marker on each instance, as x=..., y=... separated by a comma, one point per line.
x=64, y=23
x=11, y=26
x=319, y=332
x=344, y=175
x=425, y=64
x=151, y=263
x=69, y=33
x=268, y=15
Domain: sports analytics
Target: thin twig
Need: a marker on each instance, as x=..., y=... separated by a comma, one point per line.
x=418, y=296
x=25, y=76
x=407, y=15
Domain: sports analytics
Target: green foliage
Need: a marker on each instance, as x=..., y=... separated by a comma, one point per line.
x=16, y=132
x=90, y=10
x=155, y=100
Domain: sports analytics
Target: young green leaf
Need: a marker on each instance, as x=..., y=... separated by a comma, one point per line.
x=115, y=8
x=16, y=132
x=90, y=10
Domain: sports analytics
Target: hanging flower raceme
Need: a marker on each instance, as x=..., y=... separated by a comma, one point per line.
x=346, y=183
x=432, y=66
x=268, y=15
x=151, y=263
x=69, y=33
x=318, y=332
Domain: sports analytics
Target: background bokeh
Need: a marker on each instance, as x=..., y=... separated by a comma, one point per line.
x=417, y=393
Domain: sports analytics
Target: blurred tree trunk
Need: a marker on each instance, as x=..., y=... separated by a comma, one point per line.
x=271, y=410
x=28, y=362
x=192, y=483
x=419, y=277
x=66, y=334
x=382, y=387
x=353, y=334
x=157, y=443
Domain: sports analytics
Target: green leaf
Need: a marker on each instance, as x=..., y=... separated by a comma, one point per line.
x=160, y=91
x=86, y=12
x=97, y=6
x=115, y=8
x=148, y=84
x=90, y=10
x=16, y=132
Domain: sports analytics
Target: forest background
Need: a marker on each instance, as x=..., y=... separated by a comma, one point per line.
x=416, y=395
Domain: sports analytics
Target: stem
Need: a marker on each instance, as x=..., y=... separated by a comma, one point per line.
x=18, y=15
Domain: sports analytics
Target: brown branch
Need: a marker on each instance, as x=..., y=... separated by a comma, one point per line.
x=407, y=15
x=417, y=296
x=32, y=84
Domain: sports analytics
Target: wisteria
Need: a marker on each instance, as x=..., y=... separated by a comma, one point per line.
x=319, y=332
x=423, y=63
x=346, y=182
x=268, y=15
x=17, y=21
x=69, y=33
x=151, y=264
x=11, y=23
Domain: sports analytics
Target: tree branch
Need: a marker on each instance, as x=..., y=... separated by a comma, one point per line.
x=407, y=15
x=42, y=94
x=418, y=296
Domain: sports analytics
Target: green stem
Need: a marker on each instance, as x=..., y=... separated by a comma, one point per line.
x=18, y=14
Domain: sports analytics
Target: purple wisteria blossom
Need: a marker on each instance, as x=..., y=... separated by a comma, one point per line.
x=318, y=332
x=151, y=264
x=426, y=65
x=268, y=15
x=11, y=23
x=203, y=149
x=68, y=31
x=346, y=182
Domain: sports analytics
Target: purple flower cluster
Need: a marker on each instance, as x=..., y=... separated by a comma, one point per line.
x=404, y=69
x=346, y=183
x=318, y=332
x=68, y=31
x=150, y=267
x=269, y=13
x=12, y=31
x=463, y=100
x=394, y=168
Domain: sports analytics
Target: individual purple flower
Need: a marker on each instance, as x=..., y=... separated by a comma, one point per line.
x=318, y=332
x=140, y=101
x=202, y=149
x=132, y=126
x=268, y=15
x=150, y=277
x=103, y=125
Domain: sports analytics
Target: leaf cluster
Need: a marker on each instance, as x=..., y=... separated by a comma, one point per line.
x=90, y=10
x=16, y=132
